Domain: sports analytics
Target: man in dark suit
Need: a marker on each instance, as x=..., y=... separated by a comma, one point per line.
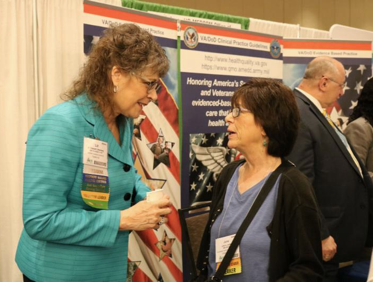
x=342, y=185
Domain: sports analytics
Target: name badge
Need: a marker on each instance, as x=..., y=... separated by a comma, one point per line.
x=95, y=189
x=95, y=152
x=221, y=247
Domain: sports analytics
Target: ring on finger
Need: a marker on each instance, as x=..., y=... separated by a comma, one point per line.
x=161, y=221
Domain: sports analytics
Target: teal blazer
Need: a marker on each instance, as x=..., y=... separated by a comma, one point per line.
x=63, y=238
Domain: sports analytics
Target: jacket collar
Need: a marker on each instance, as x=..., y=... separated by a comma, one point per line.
x=315, y=110
x=311, y=99
x=101, y=131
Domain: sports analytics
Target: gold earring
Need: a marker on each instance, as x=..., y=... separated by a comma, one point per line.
x=265, y=142
x=115, y=89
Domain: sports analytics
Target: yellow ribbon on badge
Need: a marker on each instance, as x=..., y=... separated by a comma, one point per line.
x=234, y=267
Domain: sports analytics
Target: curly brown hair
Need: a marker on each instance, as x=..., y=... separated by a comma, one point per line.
x=126, y=46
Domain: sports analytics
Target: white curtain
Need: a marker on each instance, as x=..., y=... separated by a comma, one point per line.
x=286, y=30
x=41, y=51
x=60, y=47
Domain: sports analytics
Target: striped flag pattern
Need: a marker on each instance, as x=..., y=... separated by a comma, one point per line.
x=158, y=252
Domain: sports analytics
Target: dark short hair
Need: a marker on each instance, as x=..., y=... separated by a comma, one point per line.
x=274, y=108
x=126, y=46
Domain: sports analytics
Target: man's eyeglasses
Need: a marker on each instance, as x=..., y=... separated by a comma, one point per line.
x=237, y=111
x=342, y=85
x=151, y=85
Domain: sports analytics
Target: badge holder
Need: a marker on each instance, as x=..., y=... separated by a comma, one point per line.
x=222, y=245
x=95, y=189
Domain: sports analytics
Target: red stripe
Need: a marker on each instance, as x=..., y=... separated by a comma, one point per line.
x=335, y=105
x=128, y=16
x=174, y=223
x=149, y=239
x=233, y=34
x=151, y=134
x=168, y=107
x=290, y=44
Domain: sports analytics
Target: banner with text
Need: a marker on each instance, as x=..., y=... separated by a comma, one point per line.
x=154, y=255
x=214, y=61
x=356, y=57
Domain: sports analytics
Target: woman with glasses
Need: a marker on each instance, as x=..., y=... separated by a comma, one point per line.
x=282, y=243
x=82, y=194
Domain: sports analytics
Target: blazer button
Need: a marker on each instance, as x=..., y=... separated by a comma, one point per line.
x=127, y=196
x=126, y=167
x=362, y=206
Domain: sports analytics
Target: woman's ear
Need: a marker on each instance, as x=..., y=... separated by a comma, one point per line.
x=115, y=74
x=264, y=135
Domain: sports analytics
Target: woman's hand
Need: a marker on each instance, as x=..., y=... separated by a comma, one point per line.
x=145, y=215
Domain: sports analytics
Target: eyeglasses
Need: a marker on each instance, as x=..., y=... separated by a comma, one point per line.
x=237, y=111
x=342, y=85
x=151, y=85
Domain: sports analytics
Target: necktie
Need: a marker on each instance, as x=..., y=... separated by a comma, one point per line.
x=327, y=116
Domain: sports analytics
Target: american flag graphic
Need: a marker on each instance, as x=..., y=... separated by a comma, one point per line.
x=356, y=77
x=208, y=155
x=155, y=255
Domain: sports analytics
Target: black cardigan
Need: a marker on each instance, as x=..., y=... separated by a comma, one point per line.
x=295, y=251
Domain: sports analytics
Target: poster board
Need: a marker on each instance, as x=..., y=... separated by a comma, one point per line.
x=214, y=61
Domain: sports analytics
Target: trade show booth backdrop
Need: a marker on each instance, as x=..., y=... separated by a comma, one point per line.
x=210, y=56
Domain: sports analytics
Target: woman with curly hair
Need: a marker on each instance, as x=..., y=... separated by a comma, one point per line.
x=82, y=194
x=359, y=131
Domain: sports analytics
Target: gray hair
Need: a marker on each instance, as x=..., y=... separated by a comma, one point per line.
x=321, y=66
